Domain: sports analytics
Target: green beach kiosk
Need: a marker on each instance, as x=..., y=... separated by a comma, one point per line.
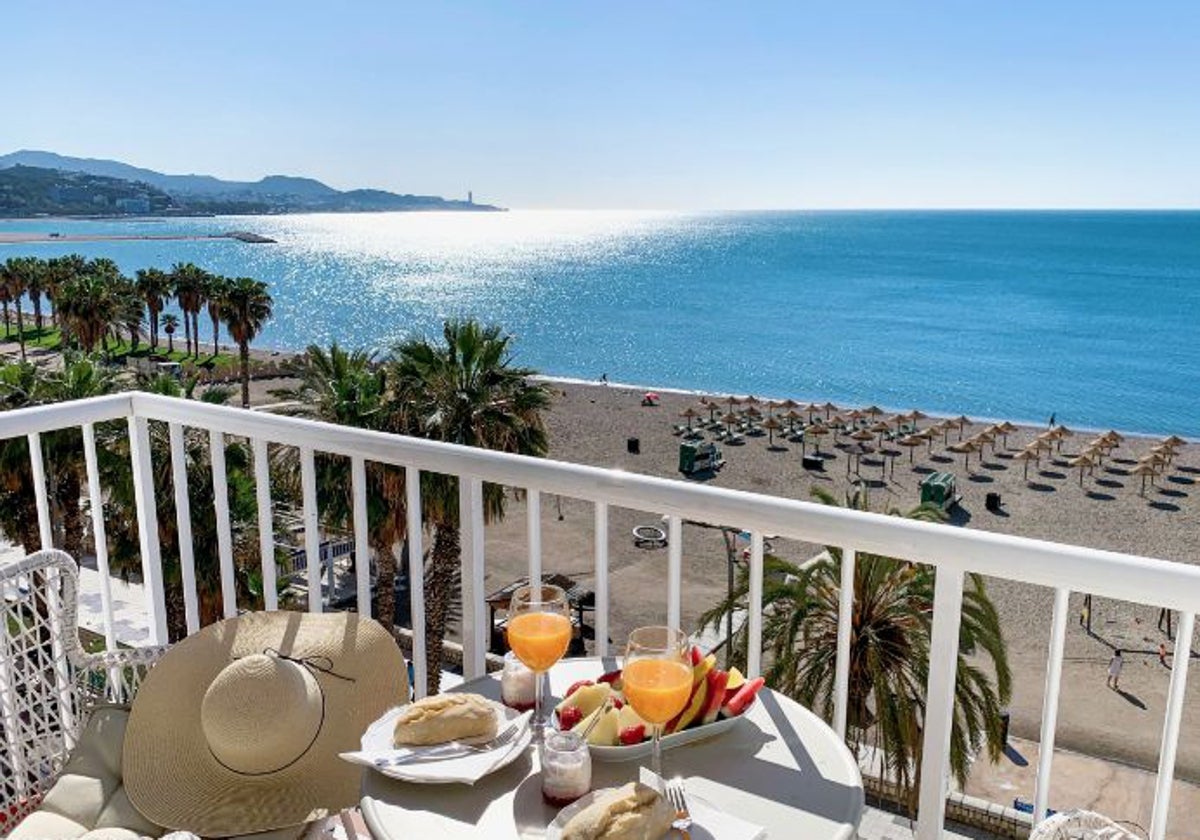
x=698, y=457
x=941, y=489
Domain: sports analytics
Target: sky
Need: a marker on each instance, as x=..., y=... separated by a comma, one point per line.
x=672, y=105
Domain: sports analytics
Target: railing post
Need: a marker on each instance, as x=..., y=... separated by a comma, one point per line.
x=143, y=492
x=475, y=629
x=533, y=523
x=939, y=702
x=216, y=457
x=841, y=674
x=1058, y=637
x=362, y=544
x=754, y=608
x=1170, y=736
x=674, y=570
x=416, y=576
x=38, y=474
x=99, y=536
x=601, y=528
x=183, y=527
x=62, y=678
x=266, y=524
x=312, y=534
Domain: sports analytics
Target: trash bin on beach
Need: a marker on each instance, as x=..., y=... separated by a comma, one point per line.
x=633, y=446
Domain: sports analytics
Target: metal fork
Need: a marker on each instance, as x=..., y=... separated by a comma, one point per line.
x=438, y=752
x=678, y=799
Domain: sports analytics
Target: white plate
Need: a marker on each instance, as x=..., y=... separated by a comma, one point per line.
x=555, y=829
x=377, y=741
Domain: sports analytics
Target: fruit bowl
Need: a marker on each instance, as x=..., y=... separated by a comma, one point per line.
x=614, y=731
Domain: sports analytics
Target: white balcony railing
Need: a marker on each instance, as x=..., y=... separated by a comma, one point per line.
x=954, y=551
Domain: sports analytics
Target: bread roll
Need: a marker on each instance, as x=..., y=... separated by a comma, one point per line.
x=633, y=812
x=445, y=717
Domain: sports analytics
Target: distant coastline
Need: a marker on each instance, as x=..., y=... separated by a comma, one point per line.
x=24, y=238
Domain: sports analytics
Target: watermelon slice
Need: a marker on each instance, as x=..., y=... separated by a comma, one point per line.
x=717, y=680
x=691, y=714
x=743, y=698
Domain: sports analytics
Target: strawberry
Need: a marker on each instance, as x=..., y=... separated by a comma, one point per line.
x=611, y=677
x=618, y=704
x=631, y=735
x=576, y=686
x=569, y=716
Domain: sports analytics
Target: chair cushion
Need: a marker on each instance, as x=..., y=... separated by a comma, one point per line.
x=88, y=799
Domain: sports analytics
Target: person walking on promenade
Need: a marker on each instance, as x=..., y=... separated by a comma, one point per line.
x=1114, y=670
x=1162, y=654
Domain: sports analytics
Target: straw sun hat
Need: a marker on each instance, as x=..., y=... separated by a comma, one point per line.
x=238, y=727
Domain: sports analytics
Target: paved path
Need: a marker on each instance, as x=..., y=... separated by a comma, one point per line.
x=1117, y=790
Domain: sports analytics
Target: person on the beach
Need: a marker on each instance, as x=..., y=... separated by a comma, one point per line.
x=1114, y=671
x=1162, y=654
x=604, y=379
x=1052, y=416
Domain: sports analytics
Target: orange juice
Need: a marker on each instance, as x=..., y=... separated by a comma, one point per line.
x=539, y=639
x=658, y=689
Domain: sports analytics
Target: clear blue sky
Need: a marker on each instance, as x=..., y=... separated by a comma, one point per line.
x=630, y=104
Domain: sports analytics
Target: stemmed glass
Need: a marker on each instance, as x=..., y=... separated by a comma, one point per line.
x=539, y=631
x=657, y=680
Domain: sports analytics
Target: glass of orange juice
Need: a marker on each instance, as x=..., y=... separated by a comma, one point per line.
x=539, y=631
x=657, y=680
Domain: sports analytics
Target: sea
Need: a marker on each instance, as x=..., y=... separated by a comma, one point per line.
x=1090, y=317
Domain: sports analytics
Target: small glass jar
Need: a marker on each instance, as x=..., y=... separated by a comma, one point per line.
x=518, y=684
x=566, y=768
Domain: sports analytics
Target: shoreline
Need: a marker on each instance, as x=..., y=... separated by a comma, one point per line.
x=976, y=419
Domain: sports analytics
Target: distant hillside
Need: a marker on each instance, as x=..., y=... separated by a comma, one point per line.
x=31, y=191
x=272, y=194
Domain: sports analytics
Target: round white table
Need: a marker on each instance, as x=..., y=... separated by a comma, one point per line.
x=780, y=767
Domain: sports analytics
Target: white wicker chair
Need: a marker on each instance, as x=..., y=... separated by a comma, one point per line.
x=48, y=683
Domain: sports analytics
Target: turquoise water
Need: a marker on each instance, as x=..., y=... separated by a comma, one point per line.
x=1094, y=316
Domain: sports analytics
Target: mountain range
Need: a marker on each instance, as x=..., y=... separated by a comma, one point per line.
x=272, y=194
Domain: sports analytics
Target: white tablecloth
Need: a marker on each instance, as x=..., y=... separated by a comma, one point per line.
x=780, y=767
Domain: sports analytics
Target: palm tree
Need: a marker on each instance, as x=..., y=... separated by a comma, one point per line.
x=890, y=633
x=90, y=305
x=5, y=299
x=188, y=282
x=154, y=287
x=347, y=387
x=23, y=385
x=130, y=310
x=170, y=323
x=246, y=307
x=35, y=284
x=14, y=276
x=463, y=389
x=214, y=297
x=60, y=270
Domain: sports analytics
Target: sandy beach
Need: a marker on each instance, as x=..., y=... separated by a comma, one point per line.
x=590, y=423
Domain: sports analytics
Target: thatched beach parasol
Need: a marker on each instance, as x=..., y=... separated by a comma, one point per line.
x=910, y=443
x=964, y=448
x=1144, y=470
x=772, y=426
x=1083, y=462
x=1027, y=455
